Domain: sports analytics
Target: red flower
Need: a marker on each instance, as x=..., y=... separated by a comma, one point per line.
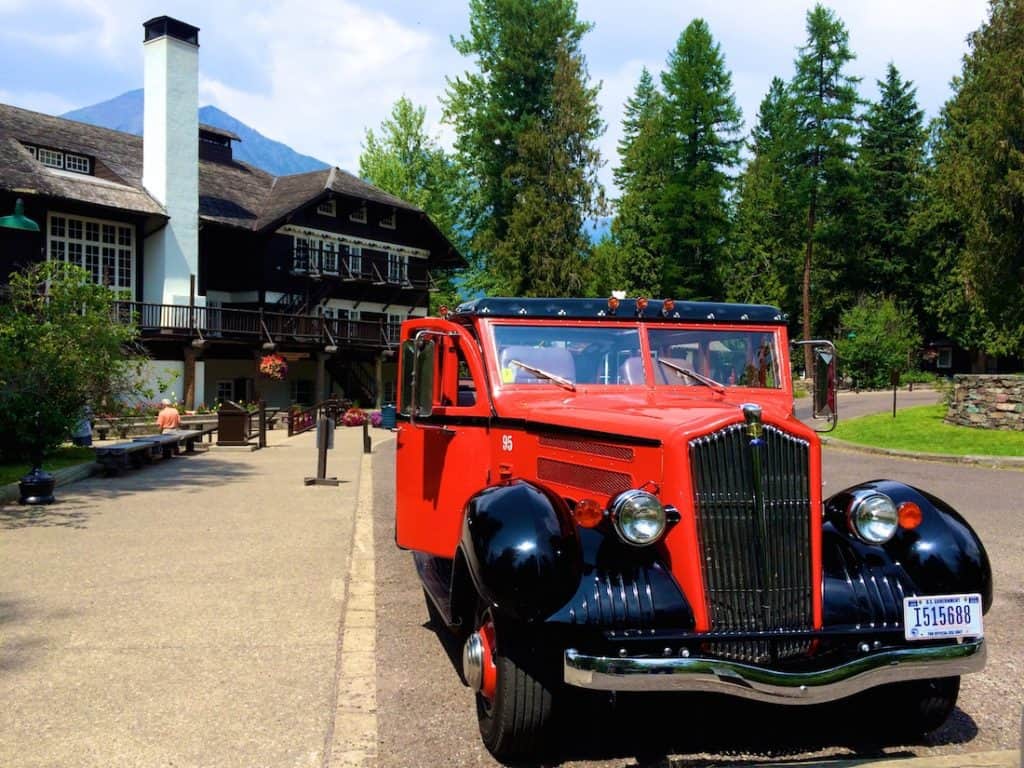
x=273, y=367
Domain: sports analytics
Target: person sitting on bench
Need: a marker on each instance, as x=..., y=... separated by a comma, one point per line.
x=168, y=419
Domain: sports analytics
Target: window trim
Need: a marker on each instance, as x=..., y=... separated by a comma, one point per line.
x=390, y=220
x=328, y=208
x=97, y=248
x=359, y=216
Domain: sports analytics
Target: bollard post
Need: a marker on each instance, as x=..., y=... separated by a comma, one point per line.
x=366, y=438
x=324, y=442
x=263, y=424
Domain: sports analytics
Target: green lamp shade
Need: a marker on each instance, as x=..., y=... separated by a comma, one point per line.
x=18, y=220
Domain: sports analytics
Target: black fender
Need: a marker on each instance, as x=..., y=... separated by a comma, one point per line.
x=864, y=584
x=521, y=548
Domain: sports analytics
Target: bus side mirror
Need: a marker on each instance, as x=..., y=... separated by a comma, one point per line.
x=824, y=382
x=417, y=378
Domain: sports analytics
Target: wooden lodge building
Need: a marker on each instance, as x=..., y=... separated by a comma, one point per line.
x=222, y=261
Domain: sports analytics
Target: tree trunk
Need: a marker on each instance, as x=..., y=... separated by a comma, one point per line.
x=808, y=257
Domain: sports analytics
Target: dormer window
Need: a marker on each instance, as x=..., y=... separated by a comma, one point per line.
x=327, y=208
x=358, y=215
x=388, y=220
x=61, y=160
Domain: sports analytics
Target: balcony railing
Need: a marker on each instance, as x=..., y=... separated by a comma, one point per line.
x=255, y=325
x=370, y=267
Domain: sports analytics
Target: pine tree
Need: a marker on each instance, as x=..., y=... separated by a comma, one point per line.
x=975, y=214
x=555, y=175
x=404, y=160
x=825, y=99
x=768, y=227
x=500, y=111
x=890, y=165
x=640, y=177
x=702, y=127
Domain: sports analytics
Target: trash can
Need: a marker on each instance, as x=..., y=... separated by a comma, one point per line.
x=387, y=416
x=232, y=424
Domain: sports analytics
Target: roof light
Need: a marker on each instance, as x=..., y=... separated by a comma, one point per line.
x=443, y=311
x=613, y=304
x=667, y=306
x=641, y=305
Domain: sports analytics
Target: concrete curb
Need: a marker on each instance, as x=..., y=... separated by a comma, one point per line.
x=64, y=476
x=1005, y=758
x=993, y=462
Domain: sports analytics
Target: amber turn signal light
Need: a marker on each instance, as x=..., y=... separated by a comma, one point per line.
x=667, y=306
x=641, y=305
x=613, y=304
x=909, y=515
x=587, y=513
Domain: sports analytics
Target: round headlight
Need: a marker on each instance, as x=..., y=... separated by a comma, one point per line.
x=639, y=517
x=873, y=517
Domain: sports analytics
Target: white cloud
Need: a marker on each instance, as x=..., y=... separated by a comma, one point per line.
x=38, y=101
x=330, y=76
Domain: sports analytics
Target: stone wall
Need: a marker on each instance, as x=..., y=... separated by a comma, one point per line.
x=990, y=402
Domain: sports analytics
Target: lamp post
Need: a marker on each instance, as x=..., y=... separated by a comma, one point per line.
x=37, y=486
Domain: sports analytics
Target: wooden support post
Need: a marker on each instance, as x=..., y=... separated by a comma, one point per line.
x=321, y=376
x=189, y=380
x=378, y=364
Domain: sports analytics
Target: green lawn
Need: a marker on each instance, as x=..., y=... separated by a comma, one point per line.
x=922, y=429
x=62, y=457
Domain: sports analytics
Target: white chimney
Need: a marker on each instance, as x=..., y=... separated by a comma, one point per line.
x=170, y=157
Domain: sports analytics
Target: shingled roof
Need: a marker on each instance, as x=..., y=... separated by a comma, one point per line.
x=117, y=182
x=231, y=193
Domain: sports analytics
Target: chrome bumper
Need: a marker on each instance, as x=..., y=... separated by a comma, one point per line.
x=748, y=682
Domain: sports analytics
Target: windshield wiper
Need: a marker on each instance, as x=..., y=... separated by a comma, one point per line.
x=707, y=381
x=542, y=374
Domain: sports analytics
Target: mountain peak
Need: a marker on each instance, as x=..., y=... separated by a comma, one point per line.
x=124, y=113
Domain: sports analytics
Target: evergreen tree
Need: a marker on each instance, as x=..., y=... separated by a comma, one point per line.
x=522, y=50
x=640, y=177
x=768, y=229
x=555, y=175
x=975, y=213
x=404, y=160
x=702, y=126
x=890, y=165
x=825, y=99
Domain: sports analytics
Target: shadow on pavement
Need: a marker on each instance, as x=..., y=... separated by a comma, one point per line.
x=78, y=502
x=660, y=730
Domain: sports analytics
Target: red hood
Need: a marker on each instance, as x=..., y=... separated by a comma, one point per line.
x=639, y=414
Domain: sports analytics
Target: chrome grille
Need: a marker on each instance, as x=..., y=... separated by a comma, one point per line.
x=753, y=519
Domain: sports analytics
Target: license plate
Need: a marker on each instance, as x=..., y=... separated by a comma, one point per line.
x=928, y=618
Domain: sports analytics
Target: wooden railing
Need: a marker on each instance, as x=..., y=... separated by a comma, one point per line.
x=370, y=267
x=304, y=419
x=252, y=324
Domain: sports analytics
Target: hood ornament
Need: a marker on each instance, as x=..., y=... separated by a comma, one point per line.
x=752, y=414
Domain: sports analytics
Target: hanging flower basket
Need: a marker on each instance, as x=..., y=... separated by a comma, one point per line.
x=273, y=367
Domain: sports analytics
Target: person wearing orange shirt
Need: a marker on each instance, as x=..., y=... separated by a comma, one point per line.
x=168, y=419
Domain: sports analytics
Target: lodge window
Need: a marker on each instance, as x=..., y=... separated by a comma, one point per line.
x=55, y=158
x=225, y=390
x=327, y=208
x=358, y=215
x=355, y=259
x=945, y=358
x=388, y=221
x=302, y=391
x=398, y=268
x=105, y=249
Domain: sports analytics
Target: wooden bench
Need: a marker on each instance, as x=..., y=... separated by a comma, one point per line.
x=167, y=443
x=122, y=455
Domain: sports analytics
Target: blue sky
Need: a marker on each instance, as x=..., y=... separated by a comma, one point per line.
x=315, y=74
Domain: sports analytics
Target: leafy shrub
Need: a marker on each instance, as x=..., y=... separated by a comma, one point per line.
x=878, y=337
x=59, y=351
